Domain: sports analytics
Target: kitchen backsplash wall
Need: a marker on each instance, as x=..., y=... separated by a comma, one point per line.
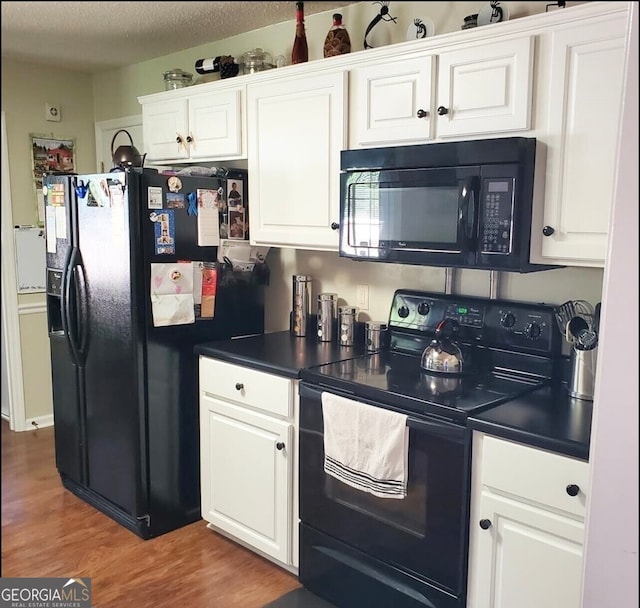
x=331, y=273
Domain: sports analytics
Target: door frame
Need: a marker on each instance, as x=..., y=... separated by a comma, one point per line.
x=125, y=122
x=11, y=346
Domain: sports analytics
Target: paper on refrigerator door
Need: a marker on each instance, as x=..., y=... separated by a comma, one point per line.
x=172, y=294
x=208, y=218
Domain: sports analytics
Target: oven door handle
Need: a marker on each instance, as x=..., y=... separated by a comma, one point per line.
x=436, y=427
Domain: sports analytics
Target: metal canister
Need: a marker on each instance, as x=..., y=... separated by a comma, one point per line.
x=327, y=316
x=301, y=304
x=347, y=325
x=375, y=333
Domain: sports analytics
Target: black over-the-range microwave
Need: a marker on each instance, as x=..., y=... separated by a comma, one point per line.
x=464, y=204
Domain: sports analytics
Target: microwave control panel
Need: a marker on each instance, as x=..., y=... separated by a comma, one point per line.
x=496, y=218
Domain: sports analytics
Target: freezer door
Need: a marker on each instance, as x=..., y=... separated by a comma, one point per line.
x=66, y=375
x=110, y=345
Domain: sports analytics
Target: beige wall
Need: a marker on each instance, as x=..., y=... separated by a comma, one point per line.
x=86, y=99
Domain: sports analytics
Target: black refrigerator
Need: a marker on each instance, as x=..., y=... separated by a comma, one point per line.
x=125, y=389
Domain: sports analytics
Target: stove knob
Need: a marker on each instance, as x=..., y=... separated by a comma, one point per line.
x=508, y=320
x=532, y=331
x=403, y=312
x=423, y=308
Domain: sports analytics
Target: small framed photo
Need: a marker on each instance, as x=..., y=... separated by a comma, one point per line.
x=238, y=228
x=235, y=194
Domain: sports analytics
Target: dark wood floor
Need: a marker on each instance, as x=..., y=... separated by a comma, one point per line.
x=47, y=531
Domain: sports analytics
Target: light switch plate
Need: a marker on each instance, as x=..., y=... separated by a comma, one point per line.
x=52, y=112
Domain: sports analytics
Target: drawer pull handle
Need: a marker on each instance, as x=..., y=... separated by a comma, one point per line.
x=280, y=446
x=239, y=386
x=573, y=489
x=485, y=524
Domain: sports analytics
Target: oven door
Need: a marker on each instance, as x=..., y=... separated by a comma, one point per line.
x=426, y=216
x=423, y=535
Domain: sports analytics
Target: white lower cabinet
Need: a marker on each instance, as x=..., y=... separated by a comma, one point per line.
x=527, y=526
x=248, y=458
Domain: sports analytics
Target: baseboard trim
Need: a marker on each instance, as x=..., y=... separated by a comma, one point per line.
x=40, y=422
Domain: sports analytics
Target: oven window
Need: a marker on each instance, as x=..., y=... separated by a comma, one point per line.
x=406, y=515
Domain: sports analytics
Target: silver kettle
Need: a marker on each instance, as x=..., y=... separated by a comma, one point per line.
x=443, y=355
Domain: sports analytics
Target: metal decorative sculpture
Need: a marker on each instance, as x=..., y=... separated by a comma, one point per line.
x=383, y=15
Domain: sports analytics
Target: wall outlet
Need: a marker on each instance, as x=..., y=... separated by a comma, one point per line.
x=362, y=297
x=52, y=112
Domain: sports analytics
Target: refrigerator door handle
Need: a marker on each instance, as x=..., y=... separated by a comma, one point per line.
x=63, y=298
x=70, y=322
x=83, y=311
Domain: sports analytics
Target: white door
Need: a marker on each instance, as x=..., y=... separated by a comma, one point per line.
x=106, y=129
x=12, y=382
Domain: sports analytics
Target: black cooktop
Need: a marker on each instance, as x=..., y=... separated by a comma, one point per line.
x=509, y=350
x=396, y=379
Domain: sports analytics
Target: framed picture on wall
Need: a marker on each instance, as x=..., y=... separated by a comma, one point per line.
x=50, y=154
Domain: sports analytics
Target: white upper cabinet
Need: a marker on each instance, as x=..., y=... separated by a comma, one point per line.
x=485, y=89
x=585, y=71
x=482, y=89
x=390, y=102
x=203, y=126
x=295, y=134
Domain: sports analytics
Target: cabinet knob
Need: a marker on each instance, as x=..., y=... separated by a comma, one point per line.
x=422, y=114
x=280, y=446
x=239, y=386
x=485, y=524
x=189, y=139
x=178, y=139
x=573, y=489
x=442, y=111
x=548, y=230
x=334, y=225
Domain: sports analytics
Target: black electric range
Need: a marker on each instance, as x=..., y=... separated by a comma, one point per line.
x=358, y=550
x=509, y=349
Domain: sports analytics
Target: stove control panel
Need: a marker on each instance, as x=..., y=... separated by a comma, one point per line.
x=525, y=326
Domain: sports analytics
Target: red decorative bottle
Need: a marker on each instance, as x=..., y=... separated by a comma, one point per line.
x=300, y=52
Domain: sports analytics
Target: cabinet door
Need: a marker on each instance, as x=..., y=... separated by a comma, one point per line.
x=485, y=89
x=215, y=125
x=584, y=106
x=527, y=557
x=390, y=103
x=295, y=134
x=246, y=475
x=165, y=128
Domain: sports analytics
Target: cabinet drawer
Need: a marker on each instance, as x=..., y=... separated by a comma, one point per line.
x=535, y=475
x=262, y=391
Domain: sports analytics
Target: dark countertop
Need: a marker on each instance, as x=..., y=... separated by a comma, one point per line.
x=279, y=353
x=546, y=418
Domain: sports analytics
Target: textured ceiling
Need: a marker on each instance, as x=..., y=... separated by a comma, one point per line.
x=91, y=36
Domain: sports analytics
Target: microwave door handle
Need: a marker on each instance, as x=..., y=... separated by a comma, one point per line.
x=469, y=214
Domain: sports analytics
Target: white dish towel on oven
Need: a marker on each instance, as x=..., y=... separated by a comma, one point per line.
x=366, y=447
